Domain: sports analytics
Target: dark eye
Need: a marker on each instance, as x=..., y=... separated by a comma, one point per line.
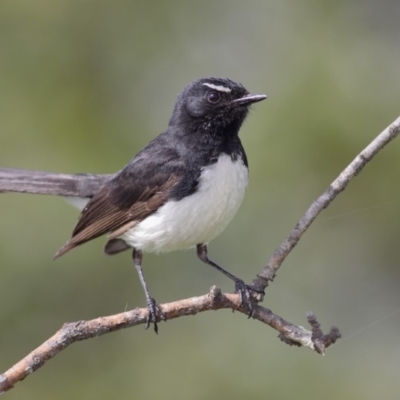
x=214, y=97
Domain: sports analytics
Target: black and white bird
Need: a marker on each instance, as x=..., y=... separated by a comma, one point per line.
x=182, y=189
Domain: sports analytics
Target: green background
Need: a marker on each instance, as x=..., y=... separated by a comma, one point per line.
x=84, y=85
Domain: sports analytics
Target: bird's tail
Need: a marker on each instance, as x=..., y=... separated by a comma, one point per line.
x=39, y=182
x=64, y=249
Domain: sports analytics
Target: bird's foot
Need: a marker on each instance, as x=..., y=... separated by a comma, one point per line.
x=154, y=314
x=247, y=300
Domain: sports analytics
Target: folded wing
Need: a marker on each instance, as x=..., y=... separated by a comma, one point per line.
x=136, y=192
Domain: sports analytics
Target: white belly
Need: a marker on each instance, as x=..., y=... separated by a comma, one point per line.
x=197, y=218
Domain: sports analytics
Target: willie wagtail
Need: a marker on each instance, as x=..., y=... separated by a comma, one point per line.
x=182, y=189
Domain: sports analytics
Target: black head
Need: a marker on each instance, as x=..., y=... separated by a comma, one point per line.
x=217, y=106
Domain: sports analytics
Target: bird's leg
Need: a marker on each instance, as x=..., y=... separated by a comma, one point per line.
x=240, y=286
x=154, y=312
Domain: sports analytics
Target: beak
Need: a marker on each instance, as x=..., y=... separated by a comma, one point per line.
x=250, y=99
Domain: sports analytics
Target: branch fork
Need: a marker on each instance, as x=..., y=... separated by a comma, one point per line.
x=86, y=185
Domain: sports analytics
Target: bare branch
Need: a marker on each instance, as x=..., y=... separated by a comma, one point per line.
x=214, y=300
x=85, y=185
x=338, y=185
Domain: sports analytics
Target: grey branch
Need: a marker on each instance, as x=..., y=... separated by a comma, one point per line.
x=85, y=185
x=268, y=273
x=214, y=300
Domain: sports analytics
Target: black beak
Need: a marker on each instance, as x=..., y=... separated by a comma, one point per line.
x=250, y=99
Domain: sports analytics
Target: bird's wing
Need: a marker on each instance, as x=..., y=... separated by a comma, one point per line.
x=136, y=192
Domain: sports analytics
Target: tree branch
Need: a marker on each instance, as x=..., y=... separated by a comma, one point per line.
x=85, y=185
x=268, y=273
x=214, y=300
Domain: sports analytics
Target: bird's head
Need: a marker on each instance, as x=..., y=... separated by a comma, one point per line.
x=217, y=106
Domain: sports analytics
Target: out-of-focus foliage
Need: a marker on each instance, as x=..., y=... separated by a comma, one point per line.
x=85, y=84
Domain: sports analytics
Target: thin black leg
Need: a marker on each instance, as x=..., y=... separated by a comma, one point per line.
x=154, y=312
x=240, y=286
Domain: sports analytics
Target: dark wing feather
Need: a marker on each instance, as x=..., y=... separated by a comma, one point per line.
x=115, y=246
x=136, y=192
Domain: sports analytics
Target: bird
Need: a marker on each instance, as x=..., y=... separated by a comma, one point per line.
x=182, y=189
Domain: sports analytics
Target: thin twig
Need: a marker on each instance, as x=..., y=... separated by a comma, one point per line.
x=268, y=273
x=82, y=330
x=85, y=185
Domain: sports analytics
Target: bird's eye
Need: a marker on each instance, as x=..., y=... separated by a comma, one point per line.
x=214, y=97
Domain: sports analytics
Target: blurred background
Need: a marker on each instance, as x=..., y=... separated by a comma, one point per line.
x=84, y=85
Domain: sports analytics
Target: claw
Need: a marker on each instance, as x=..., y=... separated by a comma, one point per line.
x=154, y=314
x=245, y=295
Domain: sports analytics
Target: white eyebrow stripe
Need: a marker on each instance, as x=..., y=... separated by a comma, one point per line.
x=219, y=88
